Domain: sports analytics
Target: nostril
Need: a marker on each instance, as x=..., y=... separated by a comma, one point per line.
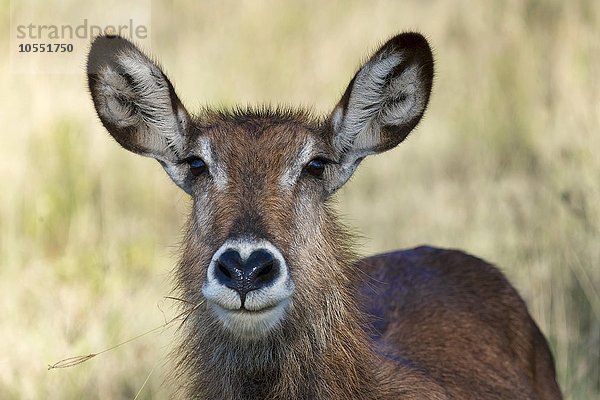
x=228, y=267
x=261, y=268
x=266, y=272
x=224, y=270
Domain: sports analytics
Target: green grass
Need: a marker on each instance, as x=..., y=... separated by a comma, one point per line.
x=503, y=166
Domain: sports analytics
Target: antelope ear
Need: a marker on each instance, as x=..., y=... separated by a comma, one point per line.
x=384, y=102
x=138, y=105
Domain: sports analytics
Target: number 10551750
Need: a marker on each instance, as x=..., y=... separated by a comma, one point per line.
x=45, y=48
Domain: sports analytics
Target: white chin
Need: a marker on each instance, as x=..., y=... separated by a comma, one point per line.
x=250, y=324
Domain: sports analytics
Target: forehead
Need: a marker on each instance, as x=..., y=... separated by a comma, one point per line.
x=252, y=136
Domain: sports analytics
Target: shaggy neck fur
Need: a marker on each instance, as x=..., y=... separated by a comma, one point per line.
x=321, y=351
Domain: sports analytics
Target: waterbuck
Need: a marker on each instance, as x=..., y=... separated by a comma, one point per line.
x=283, y=308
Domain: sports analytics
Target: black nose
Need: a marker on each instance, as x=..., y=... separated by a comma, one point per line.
x=259, y=270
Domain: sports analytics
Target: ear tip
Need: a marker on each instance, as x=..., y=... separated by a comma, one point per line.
x=103, y=49
x=412, y=36
x=413, y=40
x=417, y=45
x=110, y=40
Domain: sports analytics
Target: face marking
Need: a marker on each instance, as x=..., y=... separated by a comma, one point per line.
x=208, y=155
x=251, y=325
x=292, y=173
x=263, y=308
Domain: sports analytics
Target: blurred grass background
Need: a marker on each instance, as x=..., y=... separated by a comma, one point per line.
x=505, y=165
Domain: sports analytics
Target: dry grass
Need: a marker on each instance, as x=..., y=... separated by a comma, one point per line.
x=504, y=166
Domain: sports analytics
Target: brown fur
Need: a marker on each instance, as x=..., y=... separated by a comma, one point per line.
x=417, y=324
x=445, y=324
x=458, y=317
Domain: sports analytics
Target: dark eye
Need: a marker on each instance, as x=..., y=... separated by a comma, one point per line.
x=197, y=166
x=315, y=167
